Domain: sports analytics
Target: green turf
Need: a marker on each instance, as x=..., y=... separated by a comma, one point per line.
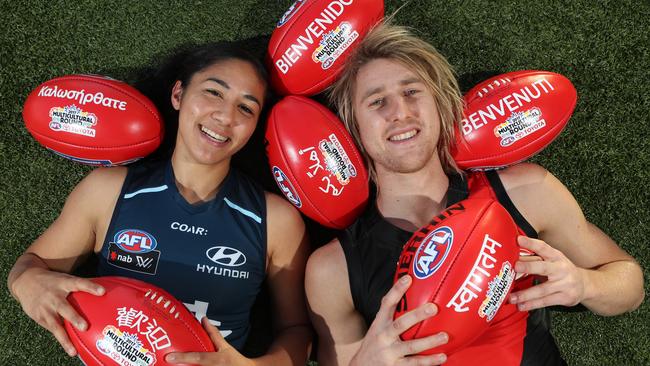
x=602, y=156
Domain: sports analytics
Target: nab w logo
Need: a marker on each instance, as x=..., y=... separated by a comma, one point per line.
x=432, y=252
x=144, y=262
x=226, y=256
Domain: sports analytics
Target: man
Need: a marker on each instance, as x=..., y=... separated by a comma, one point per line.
x=399, y=99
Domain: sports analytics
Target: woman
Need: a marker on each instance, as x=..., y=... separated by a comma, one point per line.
x=189, y=223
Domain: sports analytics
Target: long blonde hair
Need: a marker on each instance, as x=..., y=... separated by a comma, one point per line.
x=397, y=43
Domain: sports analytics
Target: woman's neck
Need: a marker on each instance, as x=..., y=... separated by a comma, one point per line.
x=198, y=182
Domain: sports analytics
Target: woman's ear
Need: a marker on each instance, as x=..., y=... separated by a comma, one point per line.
x=177, y=95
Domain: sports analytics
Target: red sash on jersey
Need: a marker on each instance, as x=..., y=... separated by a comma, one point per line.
x=502, y=344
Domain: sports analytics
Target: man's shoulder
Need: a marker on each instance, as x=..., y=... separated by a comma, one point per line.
x=537, y=194
x=329, y=253
x=327, y=263
x=527, y=176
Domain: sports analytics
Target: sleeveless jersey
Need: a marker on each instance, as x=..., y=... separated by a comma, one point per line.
x=211, y=256
x=372, y=247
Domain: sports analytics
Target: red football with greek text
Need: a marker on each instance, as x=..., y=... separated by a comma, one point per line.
x=463, y=262
x=511, y=117
x=93, y=120
x=312, y=39
x=133, y=324
x=315, y=162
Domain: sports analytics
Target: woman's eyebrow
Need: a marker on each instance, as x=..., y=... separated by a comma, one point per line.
x=220, y=82
x=225, y=85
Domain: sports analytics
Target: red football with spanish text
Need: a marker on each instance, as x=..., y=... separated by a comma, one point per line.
x=133, y=324
x=313, y=38
x=463, y=262
x=511, y=117
x=315, y=162
x=93, y=120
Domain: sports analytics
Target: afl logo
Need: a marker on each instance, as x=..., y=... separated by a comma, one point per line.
x=432, y=252
x=135, y=241
x=328, y=63
x=286, y=187
x=226, y=256
x=290, y=12
x=507, y=141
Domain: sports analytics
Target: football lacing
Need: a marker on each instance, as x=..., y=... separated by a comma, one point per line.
x=493, y=86
x=153, y=296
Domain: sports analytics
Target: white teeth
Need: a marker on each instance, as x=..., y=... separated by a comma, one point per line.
x=213, y=134
x=403, y=136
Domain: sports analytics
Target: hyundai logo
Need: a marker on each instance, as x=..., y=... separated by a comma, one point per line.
x=226, y=256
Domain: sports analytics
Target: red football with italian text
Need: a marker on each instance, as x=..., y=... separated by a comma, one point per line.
x=463, y=262
x=315, y=162
x=93, y=120
x=133, y=323
x=312, y=39
x=511, y=117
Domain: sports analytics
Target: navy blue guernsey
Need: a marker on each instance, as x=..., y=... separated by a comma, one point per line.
x=211, y=256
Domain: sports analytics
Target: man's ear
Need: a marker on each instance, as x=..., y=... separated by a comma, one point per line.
x=177, y=94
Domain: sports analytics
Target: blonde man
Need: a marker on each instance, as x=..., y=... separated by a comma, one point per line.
x=399, y=99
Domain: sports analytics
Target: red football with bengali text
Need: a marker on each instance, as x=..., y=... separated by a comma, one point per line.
x=315, y=162
x=463, y=262
x=511, y=117
x=133, y=323
x=312, y=39
x=93, y=120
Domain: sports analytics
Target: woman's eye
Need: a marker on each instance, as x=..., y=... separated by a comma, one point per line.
x=411, y=92
x=214, y=92
x=246, y=110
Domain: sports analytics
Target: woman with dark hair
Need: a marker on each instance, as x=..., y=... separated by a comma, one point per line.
x=212, y=236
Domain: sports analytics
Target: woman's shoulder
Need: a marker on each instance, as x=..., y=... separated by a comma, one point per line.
x=100, y=188
x=280, y=209
x=103, y=180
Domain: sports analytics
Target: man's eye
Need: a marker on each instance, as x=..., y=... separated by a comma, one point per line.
x=410, y=92
x=377, y=102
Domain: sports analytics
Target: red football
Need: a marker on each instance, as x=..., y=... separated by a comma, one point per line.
x=133, y=323
x=315, y=162
x=313, y=38
x=93, y=120
x=511, y=117
x=463, y=262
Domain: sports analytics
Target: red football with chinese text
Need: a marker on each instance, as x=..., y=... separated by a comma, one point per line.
x=133, y=323
x=463, y=262
x=511, y=117
x=312, y=39
x=315, y=162
x=93, y=120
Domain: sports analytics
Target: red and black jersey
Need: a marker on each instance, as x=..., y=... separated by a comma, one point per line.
x=372, y=247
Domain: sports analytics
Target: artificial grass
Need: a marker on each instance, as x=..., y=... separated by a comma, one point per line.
x=602, y=156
